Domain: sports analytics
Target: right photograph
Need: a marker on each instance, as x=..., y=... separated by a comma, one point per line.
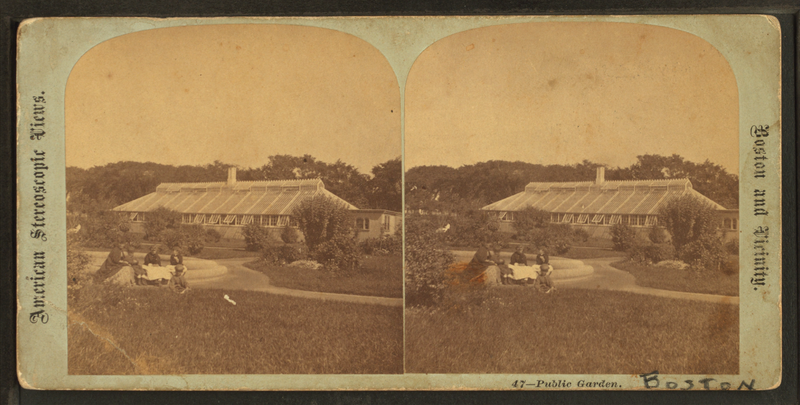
x=572, y=202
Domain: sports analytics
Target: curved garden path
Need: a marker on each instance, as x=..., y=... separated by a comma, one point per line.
x=239, y=277
x=607, y=277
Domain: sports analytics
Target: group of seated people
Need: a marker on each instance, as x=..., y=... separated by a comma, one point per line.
x=121, y=267
x=540, y=277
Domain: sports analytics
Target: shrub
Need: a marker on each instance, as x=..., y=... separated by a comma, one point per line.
x=623, y=237
x=530, y=218
x=289, y=235
x=704, y=254
x=555, y=238
x=426, y=260
x=657, y=234
x=658, y=252
x=159, y=220
x=213, y=235
x=384, y=245
x=191, y=237
x=194, y=238
x=688, y=219
x=283, y=254
x=581, y=235
x=256, y=237
x=329, y=233
x=473, y=228
x=106, y=229
x=339, y=254
x=645, y=252
x=732, y=247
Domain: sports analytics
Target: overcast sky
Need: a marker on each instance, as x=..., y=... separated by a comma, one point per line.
x=235, y=93
x=563, y=92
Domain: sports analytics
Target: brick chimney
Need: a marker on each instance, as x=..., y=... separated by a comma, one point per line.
x=231, y=176
x=601, y=175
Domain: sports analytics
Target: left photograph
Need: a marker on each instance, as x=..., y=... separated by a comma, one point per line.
x=234, y=204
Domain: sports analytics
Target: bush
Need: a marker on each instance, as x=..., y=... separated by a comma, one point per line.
x=530, y=218
x=703, y=255
x=384, y=245
x=338, y=255
x=657, y=234
x=289, y=235
x=329, y=233
x=213, y=235
x=472, y=228
x=321, y=219
x=688, y=219
x=732, y=247
x=159, y=220
x=581, y=235
x=283, y=254
x=644, y=252
x=106, y=229
x=192, y=238
x=426, y=260
x=256, y=237
x=623, y=237
x=555, y=238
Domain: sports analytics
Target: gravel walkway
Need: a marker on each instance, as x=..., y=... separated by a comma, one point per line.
x=606, y=277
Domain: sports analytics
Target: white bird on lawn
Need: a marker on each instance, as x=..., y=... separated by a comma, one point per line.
x=229, y=299
x=75, y=229
x=443, y=229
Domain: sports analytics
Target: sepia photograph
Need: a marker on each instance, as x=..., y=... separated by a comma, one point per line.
x=400, y=203
x=572, y=194
x=233, y=204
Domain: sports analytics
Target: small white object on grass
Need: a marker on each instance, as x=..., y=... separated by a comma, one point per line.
x=229, y=299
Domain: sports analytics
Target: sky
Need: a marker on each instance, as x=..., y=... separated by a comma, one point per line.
x=559, y=93
x=234, y=93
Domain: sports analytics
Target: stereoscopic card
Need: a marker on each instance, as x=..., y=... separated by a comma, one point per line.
x=400, y=203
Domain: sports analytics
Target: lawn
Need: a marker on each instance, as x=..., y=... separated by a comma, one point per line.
x=574, y=332
x=380, y=276
x=160, y=332
x=681, y=280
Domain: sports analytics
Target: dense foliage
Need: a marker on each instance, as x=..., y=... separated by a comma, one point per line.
x=104, y=187
x=692, y=225
x=449, y=190
x=426, y=261
x=623, y=237
x=329, y=233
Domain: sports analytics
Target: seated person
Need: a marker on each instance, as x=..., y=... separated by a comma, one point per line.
x=542, y=257
x=152, y=258
x=505, y=272
x=138, y=271
x=176, y=258
x=480, y=262
x=178, y=281
x=115, y=262
x=518, y=257
x=544, y=277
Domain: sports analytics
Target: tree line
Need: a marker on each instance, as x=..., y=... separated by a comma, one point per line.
x=103, y=187
x=447, y=189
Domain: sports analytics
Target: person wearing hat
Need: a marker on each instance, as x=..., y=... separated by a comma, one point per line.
x=178, y=281
x=544, y=277
x=481, y=260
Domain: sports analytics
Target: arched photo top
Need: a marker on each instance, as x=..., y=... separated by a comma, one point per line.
x=237, y=93
x=562, y=92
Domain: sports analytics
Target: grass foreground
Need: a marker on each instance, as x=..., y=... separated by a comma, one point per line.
x=681, y=280
x=574, y=331
x=379, y=276
x=148, y=330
